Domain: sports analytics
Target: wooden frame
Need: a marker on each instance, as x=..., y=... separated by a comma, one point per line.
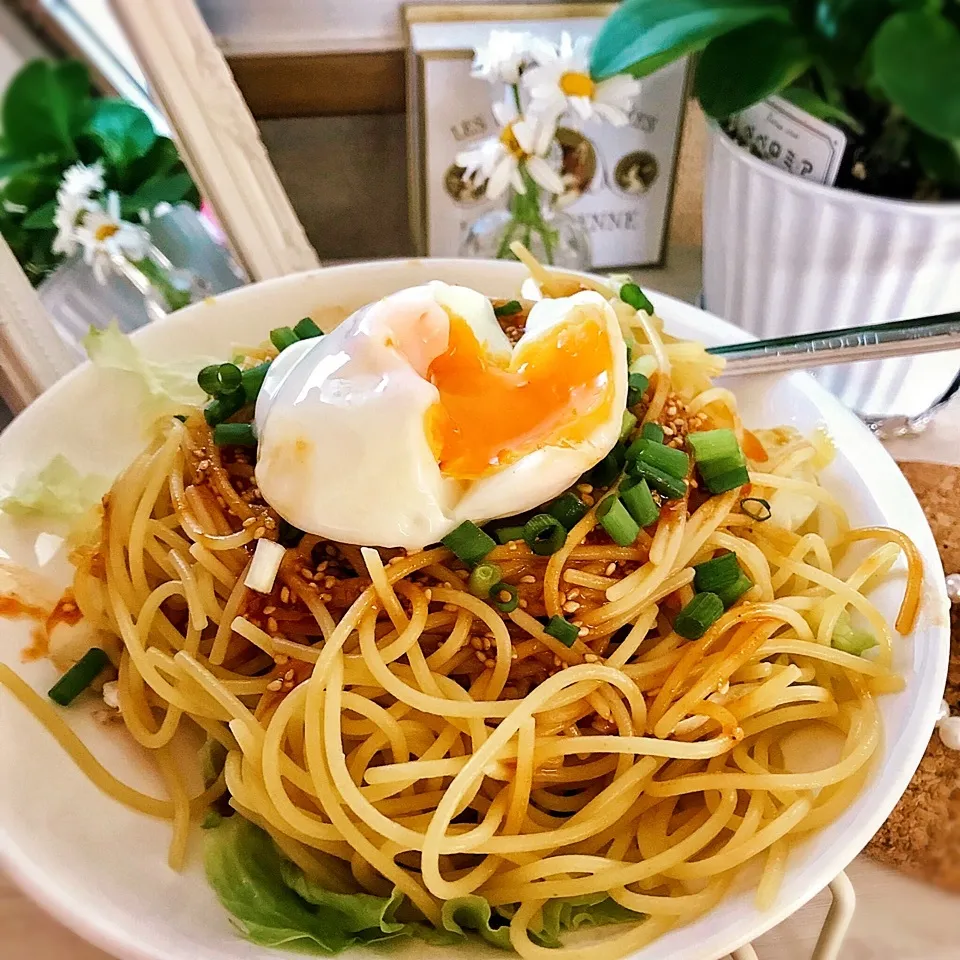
x=32, y=355
x=217, y=136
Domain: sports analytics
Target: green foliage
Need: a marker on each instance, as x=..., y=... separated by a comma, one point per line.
x=51, y=119
x=888, y=71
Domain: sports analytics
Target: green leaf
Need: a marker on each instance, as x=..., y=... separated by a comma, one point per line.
x=158, y=189
x=845, y=29
x=643, y=35
x=743, y=67
x=42, y=217
x=916, y=62
x=275, y=904
x=474, y=914
x=44, y=108
x=814, y=104
x=122, y=131
x=940, y=159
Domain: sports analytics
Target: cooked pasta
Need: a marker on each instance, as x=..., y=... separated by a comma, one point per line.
x=391, y=730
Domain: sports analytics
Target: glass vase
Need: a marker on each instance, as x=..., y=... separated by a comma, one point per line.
x=551, y=235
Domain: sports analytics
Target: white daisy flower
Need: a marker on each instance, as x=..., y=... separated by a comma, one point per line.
x=564, y=81
x=80, y=180
x=105, y=236
x=66, y=218
x=502, y=58
x=522, y=141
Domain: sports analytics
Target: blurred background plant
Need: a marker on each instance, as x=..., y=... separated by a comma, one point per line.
x=887, y=72
x=52, y=120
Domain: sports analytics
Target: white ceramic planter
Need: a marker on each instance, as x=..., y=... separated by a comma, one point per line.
x=783, y=256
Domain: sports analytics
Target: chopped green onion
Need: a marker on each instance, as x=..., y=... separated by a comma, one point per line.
x=283, y=337
x=469, y=543
x=730, y=479
x=562, y=630
x=619, y=525
x=234, y=435
x=508, y=534
x=219, y=378
x=306, y=329
x=544, y=534
x=504, y=597
x=79, y=677
x=719, y=572
x=483, y=578
x=569, y=509
x=709, y=445
x=630, y=293
x=627, y=422
x=226, y=405
x=849, y=639
x=637, y=385
x=629, y=353
x=653, y=432
x=508, y=309
x=731, y=593
x=608, y=469
x=694, y=619
x=668, y=459
x=252, y=380
x=756, y=508
x=288, y=535
x=719, y=459
x=639, y=502
x=664, y=483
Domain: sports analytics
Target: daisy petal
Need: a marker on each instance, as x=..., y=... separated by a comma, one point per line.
x=545, y=175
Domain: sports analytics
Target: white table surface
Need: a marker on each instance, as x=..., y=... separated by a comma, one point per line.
x=896, y=919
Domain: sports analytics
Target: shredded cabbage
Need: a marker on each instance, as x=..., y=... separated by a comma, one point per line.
x=57, y=492
x=274, y=903
x=168, y=387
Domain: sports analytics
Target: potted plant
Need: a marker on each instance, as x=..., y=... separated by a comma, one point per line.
x=53, y=123
x=783, y=254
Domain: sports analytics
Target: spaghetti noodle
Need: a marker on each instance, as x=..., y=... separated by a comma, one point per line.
x=391, y=730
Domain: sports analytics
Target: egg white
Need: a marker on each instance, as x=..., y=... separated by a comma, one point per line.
x=342, y=449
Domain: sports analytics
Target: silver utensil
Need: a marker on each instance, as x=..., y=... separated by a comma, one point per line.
x=899, y=338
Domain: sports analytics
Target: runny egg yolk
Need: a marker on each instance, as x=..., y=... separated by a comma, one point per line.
x=556, y=391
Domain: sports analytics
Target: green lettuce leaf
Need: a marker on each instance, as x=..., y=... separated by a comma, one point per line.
x=57, y=492
x=275, y=904
x=168, y=388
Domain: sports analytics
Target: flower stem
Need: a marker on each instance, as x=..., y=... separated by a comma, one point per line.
x=173, y=295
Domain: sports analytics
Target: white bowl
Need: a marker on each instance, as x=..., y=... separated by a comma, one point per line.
x=101, y=868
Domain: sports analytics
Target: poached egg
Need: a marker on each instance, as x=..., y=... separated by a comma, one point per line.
x=416, y=413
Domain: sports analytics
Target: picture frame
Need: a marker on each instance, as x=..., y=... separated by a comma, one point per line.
x=627, y=174
x=216, y=134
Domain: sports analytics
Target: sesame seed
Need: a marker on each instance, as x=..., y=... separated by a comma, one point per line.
x=323, y=566
x=486, y=643
x=523, y=604
x=611, y=569
x=591, y=658
x=329, y=582
x=476, y=643
x=583, y=631
x=585, y=487
x=285, y=595
x=249, y=522
x=330, y=551
x=272, y=625
x=306, y=573
x=503, y=596
x=428, y=594
x=573, y=593
x=274, y=685
x=324, y=597
x=529, y=578
x=571, y=606
x=280, y=659
x=588, y=500
x=259, y=532
x=289, y=675
x=269, y=610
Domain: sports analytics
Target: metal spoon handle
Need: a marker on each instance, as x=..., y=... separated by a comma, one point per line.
x=899, y=338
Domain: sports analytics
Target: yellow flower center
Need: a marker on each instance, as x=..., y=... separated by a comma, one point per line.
x=105, y=232
x=577, y=85
x=509, y=139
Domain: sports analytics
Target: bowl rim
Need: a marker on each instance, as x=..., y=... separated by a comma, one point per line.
x=106, y=934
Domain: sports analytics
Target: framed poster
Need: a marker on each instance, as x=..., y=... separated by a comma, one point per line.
x=621, y=177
